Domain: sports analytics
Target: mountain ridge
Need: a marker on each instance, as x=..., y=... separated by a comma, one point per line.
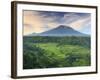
x=61, y=30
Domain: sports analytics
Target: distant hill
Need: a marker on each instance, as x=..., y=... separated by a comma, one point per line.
x=61, y=30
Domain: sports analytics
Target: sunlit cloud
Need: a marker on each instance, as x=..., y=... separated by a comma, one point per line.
x=34, y=20
x=79, y=24
x=28, y=29
x=40, y=21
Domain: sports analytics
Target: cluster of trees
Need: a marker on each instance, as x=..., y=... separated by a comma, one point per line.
x=71, y=40
x=37, y=57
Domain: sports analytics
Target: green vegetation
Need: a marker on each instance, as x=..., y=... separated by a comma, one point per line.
x=50, y=52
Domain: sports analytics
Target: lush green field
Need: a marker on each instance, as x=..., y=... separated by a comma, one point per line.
x=50, y=52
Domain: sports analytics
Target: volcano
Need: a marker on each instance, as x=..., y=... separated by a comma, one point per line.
x=61, y=30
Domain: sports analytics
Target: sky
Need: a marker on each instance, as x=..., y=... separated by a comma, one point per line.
x=40, y=21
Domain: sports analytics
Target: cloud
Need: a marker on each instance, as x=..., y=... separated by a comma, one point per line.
x=80, y=23
x=39, y=21
x=69, y=18
x=76, y=20
x=34, y=20
x=27, y=29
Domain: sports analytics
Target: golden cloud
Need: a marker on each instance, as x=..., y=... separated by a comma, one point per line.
x=34, y=20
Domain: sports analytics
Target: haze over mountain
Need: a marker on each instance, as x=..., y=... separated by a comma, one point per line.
x=61, y=30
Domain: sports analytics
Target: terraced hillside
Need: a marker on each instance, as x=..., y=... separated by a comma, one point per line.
x=51, y=52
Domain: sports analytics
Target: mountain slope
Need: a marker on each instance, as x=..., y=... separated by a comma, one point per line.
x=61, y=30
